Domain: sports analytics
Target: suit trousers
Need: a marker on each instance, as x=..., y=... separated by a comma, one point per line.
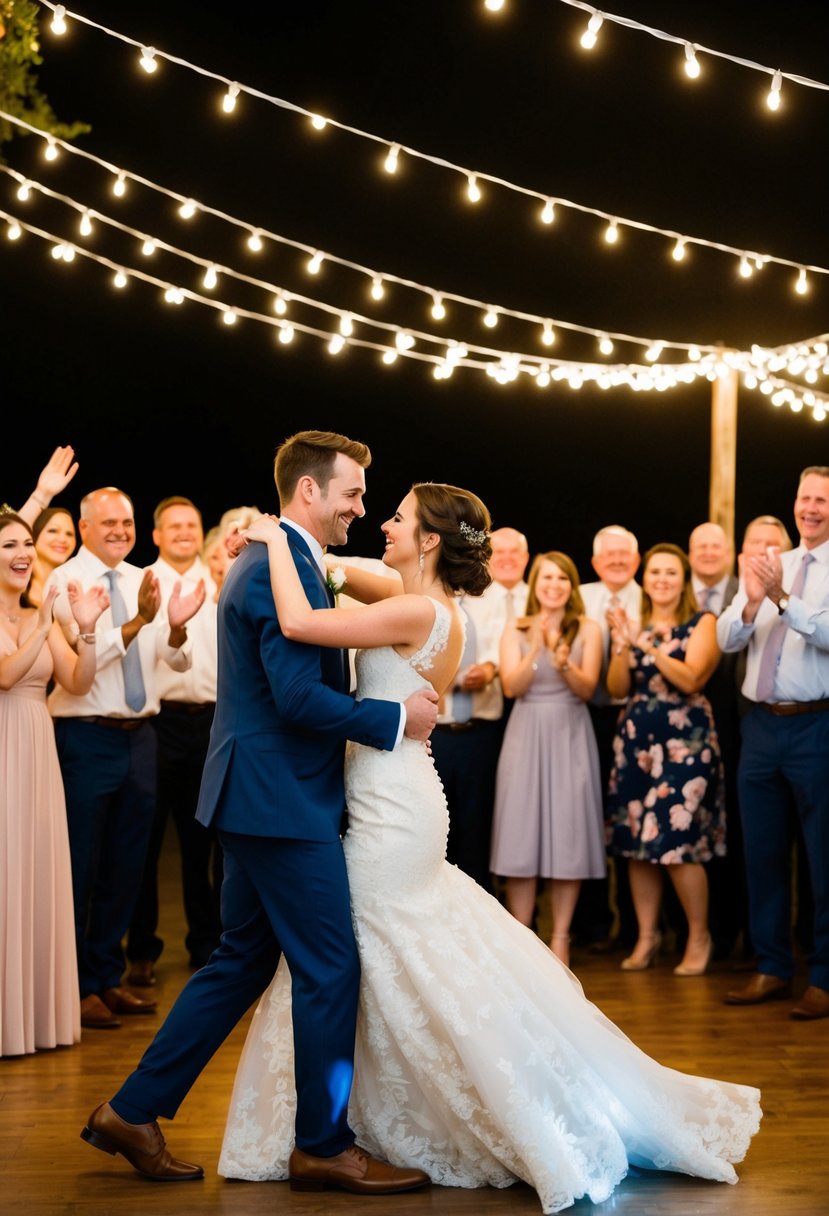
x=183, y=734
x=278, y=895
x=109, y=776
x=783, y=773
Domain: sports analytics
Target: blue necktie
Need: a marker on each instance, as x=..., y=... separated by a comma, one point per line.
x=461, y=699
x=134, y=692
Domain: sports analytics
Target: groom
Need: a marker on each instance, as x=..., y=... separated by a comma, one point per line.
x=273, y=786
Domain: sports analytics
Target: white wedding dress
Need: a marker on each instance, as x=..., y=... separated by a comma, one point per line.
x=478, y=1057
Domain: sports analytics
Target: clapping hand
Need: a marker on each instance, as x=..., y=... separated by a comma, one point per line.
x=619, y=626
x=181, y=608
x=149, y=597
x=762, y=575
x=86, y=606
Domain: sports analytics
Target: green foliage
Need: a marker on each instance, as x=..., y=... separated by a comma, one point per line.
x=19, y=56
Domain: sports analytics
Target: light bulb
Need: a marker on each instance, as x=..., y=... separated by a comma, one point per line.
x=389, y=357
x=314, y=263
x=85, y=226
x=543, y=378
x=346, y=325
x=148, y=248
x=377, y=288
x=746, y=269
x=211, y=278
x=694, y=354
x=280, y=303
x=147, y=59
x=23, y=191
x=318, y=122
x=438, y=308
x=494, y=6
x=229, y=99
x=802, y=284
x=606, y=345
x=548, y=212
x=58, y=22
x=588, y=38
x=403, y=341
x=68, y=253
x=119, y=186
x=173, y=296
x=187, y=209
x=50, y=152
x=230, y=316
x=57, y=252
x=692, y=67
x=490, y=318
x=336, y=344
x=119, y=279
x=654, y=351
x=390, y=163
x=548, y=334
x=254, y=242
x=286, y=334
x=473, y=190
x=678, y=253
x=14, y=231
x=773, y=99
x=611, y=234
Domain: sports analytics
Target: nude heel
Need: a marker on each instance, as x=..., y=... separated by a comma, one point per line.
x=647, y=959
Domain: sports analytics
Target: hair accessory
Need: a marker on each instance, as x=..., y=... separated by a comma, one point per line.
x=472, y=535
x=5, y=509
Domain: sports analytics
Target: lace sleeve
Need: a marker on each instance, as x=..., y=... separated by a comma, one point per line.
x=424, y=659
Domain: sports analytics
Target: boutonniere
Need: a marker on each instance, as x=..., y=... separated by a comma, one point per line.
x=335, y=581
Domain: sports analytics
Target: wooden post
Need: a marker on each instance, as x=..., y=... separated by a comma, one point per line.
x=721, y=494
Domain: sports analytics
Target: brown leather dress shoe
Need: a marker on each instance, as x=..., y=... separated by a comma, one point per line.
x=141, y=974
x=121, y=1000
x=353, y=1170
x=760, y=988
x=96, y=1016
x=812, y=1005
x=141, y=1143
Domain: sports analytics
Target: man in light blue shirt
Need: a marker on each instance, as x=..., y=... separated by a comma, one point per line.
x=781, y=613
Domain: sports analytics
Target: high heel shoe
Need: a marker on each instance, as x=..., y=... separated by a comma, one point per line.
x=684, y=970
x=646, y=960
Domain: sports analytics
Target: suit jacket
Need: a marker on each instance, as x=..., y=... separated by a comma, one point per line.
x=283, y=714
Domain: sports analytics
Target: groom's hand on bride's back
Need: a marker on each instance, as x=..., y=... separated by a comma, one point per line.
x=421, y=714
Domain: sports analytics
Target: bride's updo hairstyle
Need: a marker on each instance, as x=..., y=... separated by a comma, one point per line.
x=463, y=524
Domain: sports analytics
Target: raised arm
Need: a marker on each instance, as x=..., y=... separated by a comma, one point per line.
x=367, y=586
x=54, y=477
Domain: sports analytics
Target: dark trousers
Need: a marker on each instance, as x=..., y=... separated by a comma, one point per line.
x=183, y=734
x=466, y=761
x=784, y=773
x=109, y=776
x=594, y=915
x=278, y=896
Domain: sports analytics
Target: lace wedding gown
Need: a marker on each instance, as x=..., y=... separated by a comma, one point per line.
x=478, y=1057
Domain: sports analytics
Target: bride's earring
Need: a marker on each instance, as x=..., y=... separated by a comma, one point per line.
x=421, y=561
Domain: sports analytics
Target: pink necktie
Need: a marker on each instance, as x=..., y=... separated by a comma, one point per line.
x=770, y=657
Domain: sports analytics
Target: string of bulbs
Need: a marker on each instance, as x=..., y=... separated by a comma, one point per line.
x=748, y=261
x=692, y=50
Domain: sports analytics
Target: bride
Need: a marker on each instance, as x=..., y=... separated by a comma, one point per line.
x=478, y=1057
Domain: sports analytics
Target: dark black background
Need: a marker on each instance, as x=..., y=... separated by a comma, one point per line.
x=164, y=400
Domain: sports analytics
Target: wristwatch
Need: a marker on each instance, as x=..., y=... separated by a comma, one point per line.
x=782, y=603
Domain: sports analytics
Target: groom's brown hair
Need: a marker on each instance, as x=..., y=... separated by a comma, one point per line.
x=312, y=454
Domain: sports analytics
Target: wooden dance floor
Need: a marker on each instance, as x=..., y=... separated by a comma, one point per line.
x=44, y=1101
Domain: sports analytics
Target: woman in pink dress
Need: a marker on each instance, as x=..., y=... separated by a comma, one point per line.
x=39, y=1001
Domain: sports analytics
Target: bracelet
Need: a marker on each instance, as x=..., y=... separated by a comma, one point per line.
x=89, y=638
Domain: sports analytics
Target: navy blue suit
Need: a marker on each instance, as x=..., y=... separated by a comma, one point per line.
x=273, y=785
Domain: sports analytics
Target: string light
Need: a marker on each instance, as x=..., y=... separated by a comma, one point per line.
x=254, y=241
x=438, y=308
x=50, y=152
x=491, y=318
x=229, y=99
x=23, y=191
x=286, y=334
x=548, y=212
x=280, y=303
x=187, y=209
x=148, y=60
x=119, y=280
x=377, y=288
x=606, y=345
x=588, y=38
x=314, y=263
x=14, y=231
x=473, y=190
x=611, y=234
x=773, y=99
x=389, y=357
x=346, y=325
x=119, y=186
x=390, y=163
x=211, y=278
x=679, y=250
x=148, y=248
x=174, y=296
x=746, y=269
x=58, y=22
x=336, y=344
x=494, y=6
x=85, y=226
x=692, y=68
x=802, y=283
x=230, y=316
x=318, y=122
x=548, y=334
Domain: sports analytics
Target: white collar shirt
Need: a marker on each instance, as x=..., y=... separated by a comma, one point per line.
x=803, y=670
x=106, y=696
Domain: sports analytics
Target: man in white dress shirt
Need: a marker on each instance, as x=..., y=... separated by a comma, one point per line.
x=471, y=716
x=106, y=744
x=182, y=727
x=615, y=560
x=781, y=613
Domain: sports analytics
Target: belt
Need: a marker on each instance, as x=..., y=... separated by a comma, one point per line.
x=457, y=727
x=188, y=707
x=784, y=708
x=112, y=723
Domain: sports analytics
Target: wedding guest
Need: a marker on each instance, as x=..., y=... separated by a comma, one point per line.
x=781, y=614
x=55, y=476
x=107, y=746
x=548, y=806
x=604, y=913
x=467, y=739
x=182, y=727
x=55, y=540
x=39, y=1001
x=666, y=803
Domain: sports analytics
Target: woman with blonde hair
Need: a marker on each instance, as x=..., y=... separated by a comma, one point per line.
x=548, y=806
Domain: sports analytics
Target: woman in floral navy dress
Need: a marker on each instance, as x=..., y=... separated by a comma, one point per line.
x=666, y=797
